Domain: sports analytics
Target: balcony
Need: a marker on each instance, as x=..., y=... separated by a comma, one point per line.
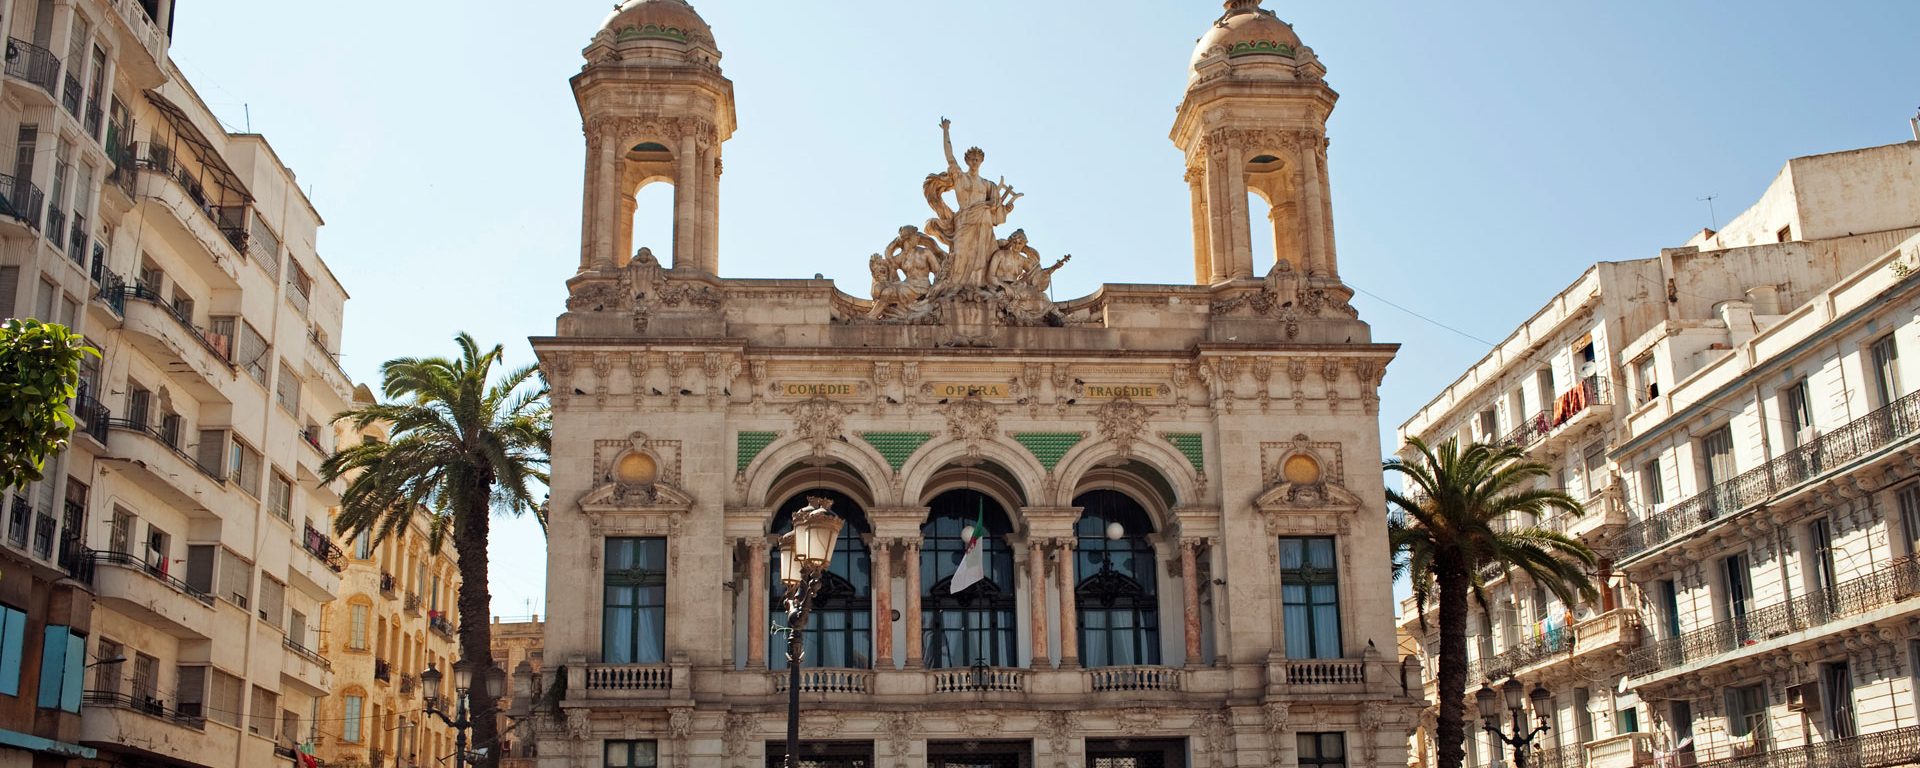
x=56, y=230
x=20, y=205
x=1627, y=750
x=34, y=64
x=77, y=241
x=1610, y=632
x=71, y=94
x=318, y=573
x=440, y=624
x=629, y=680
x=145, y=724
x=132, y=17
x=306, y=668
x=170, y=338
x=155, y=461
x=412, y=604
x=199, y=222
x=818, y=680
x=1515, y=658
x=91, y=419
x=1857, y=597
x=1134, y=679
x=147, y=593
x=407, y=684
x=1898, y=746
x=1573, y=408
x=1320, y=676
x=1824, y=456
x=976, y=680
x=91, y=121
x=382, y=671
x=387, y=584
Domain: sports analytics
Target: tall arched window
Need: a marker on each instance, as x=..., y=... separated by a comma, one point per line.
x=1117, y=592
x=976, y=625
x=840, y=626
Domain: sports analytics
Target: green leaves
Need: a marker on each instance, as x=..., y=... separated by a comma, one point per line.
x=39, y=373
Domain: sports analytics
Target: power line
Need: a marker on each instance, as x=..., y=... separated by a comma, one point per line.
x=1383, y=300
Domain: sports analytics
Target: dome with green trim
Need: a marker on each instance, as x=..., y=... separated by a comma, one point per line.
x=653, y=29
x=1248, y=31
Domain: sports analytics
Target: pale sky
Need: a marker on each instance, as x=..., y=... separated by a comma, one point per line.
x=1483, y=152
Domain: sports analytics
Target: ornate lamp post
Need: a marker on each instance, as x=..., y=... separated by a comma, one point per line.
x=805, y=553
x=1521, y=738
x=496, y=681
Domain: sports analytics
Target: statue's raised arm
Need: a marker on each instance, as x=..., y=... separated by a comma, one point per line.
x=946, y=142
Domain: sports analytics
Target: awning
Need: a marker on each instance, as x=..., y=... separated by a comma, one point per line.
x=34, y=743
x=202, y=148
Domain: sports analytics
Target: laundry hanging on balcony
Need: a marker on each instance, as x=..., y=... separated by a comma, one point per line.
x=1570, y=404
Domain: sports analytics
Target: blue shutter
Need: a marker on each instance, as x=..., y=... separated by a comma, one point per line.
x=76, y=665
x=13, y=634
x=53, y=664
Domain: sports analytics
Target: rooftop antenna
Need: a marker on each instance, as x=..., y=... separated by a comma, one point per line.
x=1713, y=219
x=247, y=109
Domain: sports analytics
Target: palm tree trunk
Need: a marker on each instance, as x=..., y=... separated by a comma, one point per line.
x=476, y=634
x=1450, y=731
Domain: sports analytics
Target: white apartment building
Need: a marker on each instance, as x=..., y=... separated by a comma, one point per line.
x=190, y=503
x=1635, y=370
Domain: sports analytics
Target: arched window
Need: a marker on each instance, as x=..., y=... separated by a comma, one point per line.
x=976, y=625
x=840, y=626
x=1116, y=591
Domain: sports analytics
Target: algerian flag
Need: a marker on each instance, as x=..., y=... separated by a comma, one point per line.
x=973, y=564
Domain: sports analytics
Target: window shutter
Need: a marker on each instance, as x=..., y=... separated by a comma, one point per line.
x=200, y=567
x=213, y=444
x=13, y=635
x=76, y=665
x=53, y=665
x=9, y=286
x=236, y=579
x=192, y=692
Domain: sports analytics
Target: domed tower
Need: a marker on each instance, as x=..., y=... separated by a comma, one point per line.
x=656, y=109
x=1254, y=121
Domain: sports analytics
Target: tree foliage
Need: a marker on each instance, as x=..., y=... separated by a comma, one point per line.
x=1453, y=520
x=39, y=373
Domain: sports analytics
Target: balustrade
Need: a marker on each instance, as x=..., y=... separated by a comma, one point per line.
x=980, y=679
x=1134, y=679
x=827, y=681
x=630, y=677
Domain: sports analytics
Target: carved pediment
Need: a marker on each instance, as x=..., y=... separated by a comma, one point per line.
x=625, y=497
x=1322, y=495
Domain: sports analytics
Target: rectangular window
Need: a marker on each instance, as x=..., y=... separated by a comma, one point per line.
x=1646, y=380
x=1652, y=486
x=236, y=579
x=286, y=389
x=243, y=467
x=1669, y=595
x=191, y=694
x=1747, y=712
x=632, y=754
x=211, y=451
x=357, y=630
x=63, y=658
x=226, y=698
x=266, y=713
x=146, y=677
x=363, y=546
x=1489, y=425
x=1738, y=590
x=273, y=600
x=1717, y=448
x=1886, y=371
x=1583, y=714
x=1310, y=591
x=201, y=560
x=1836, y=683
x=1910, y=517
x=13, y=641
x=280, y=496
x=251, y=353
x=1595, y=461
x=350, y=727
x=1820, y=537
x=106, y=671
x=635, y=599
x=1797, y=406
x=1322, y=750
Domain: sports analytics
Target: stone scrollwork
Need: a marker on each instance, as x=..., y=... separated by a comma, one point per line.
x=819, y=421
x=972, y=420
x=643, y=287
x=900, y=728
x=1059, y=727
x=1122, y=421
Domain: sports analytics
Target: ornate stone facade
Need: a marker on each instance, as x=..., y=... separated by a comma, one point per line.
x=1132, y=450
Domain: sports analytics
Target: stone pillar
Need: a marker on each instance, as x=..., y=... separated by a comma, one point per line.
x=910, y=556
x=1330, y=260
x=623, y=226
x=1037, y=602
x=710, y=211
x=1219, y=211
x=1240, y=252
x=686, y=204
x=1190, y=596
x=1311, y=187
x=1069, y=620
x=757, y=611
x=1202, y=254
x=882, y=555
x=599, y=191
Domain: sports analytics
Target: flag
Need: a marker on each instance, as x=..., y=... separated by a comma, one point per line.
x=305, y=755
x=973, y=563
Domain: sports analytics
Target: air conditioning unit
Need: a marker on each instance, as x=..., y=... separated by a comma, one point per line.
x=1804, y=697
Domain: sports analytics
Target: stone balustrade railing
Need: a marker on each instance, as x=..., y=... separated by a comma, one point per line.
x=629, y=677
x=984, y=679
x=1134, y=679
x=1311, y=672
x=827, y=681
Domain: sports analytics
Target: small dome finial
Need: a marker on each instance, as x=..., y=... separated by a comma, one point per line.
x=1242, y=6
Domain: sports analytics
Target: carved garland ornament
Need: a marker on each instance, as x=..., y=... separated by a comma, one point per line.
x=972, y=420
x=1122, y=421
x=819, y=421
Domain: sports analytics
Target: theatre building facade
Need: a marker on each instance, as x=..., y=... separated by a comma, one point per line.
x=1185, y=559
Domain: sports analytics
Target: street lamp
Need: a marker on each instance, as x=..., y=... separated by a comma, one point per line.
x=494, y=678
x=805, y=553
x=1521, y=738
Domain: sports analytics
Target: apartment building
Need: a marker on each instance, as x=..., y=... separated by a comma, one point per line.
x=1629, y=383
x=185, y=522
x=394, y=617
x=517, y=643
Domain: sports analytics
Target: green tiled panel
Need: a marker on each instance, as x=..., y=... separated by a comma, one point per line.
x=1190, y=446
x=895, y=447
x=1048, y=447
x=750, y=446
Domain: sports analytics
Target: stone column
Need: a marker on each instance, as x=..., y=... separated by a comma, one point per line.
x=596, y=212
x=623, y=226
x=1241, y=249
x=686, y=204
x=1190, y=596
x=1314, y=210
x=882, y=555
x=1202, y=253
x=710, y=211
x=757, y=603
x=910, y=556
x=1069, y=620
x=1037, y=602
x=1219, y=211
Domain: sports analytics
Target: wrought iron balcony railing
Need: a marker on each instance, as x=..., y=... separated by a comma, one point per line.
x=1868, y=434
x=149, y=705
x=438, y=622
x=90, y=417
x=21, y=200
x=1590, y=392
x=1898, y=746
x=382, y=671
x=387, y=584
x=1853, y=597
x=322, y=548
x=129, y=562
x=171, y=442
x=306, y=653
x=217, y=344
x=1534, y=651
x=33, y=64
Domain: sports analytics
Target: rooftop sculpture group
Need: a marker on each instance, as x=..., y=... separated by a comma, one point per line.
x=958, y=258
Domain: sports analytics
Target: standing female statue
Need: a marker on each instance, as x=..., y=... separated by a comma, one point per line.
x=982, y=205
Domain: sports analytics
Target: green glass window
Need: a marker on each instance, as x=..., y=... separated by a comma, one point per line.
x=634, y=624
x=1310, y=593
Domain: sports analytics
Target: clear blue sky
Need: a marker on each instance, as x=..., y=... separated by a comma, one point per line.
x=1483, y=152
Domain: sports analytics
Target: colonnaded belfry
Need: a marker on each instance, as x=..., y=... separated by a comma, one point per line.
x=1186, y=542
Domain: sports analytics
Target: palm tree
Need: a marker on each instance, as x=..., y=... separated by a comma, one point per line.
x=1451, y=523
x=463, y=446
